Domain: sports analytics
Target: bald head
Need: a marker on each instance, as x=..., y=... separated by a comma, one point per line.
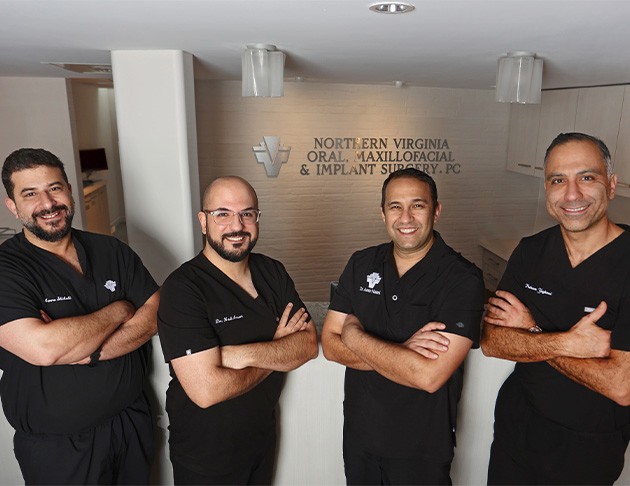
x=230, y=187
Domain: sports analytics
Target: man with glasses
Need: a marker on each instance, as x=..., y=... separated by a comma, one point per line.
x=230, y=322
x=402, y=320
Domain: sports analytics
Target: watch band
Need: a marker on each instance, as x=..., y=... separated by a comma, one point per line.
x=95, y=357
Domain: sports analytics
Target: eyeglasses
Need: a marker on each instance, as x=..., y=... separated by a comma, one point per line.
x=223, y=217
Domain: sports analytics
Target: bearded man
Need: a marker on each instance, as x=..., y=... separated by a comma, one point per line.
x=231, y=323
x=76, y=312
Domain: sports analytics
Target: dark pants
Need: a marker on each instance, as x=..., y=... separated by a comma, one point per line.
x=530, y=449
x=363, y=468
x=119, y=451
x=259, y=471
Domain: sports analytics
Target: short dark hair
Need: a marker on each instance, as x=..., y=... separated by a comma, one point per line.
x=28, y=158
x=415, y=174
x=565, y=138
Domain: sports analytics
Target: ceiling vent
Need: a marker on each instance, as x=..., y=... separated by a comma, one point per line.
x=84, y=68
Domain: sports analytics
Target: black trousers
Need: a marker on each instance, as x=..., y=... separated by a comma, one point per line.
x=258, y=471
x=119, y=451
x=363, y=468
x=531, y=449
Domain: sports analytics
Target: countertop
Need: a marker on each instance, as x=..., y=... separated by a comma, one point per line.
x=501, y=247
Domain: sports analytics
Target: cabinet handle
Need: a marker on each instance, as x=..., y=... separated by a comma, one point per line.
x=539, y=168
x=623, y=184
x=524, y=165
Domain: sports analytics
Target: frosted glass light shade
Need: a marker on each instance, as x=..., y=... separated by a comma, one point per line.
x=263, y=71
x=519, y=78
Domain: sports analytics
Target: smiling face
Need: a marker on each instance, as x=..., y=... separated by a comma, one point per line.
x=409, y=215
x=42, y=200
x=232, y=242
x=578, y=188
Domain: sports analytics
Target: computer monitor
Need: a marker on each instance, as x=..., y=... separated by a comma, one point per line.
x=91, y=160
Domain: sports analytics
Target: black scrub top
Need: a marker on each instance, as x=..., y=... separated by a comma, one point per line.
x=384, y=417
x=539, y=273
x=201, y=308
x=65, y=399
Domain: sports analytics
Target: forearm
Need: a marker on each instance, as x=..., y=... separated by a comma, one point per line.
x=520, y=345
x=284, y=354
x=336, y=350
x=69, y=340
x=133, y=333
x=602, y=375
x=224, y=384
x=394, y=361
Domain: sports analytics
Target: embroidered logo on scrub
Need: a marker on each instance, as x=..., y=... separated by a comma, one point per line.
x=372, y=279
x=538, y=290
x=110, y=285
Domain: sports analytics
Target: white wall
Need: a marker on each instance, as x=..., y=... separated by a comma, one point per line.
x=37, y=113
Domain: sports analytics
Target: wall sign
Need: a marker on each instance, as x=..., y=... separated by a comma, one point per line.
x=347, y=156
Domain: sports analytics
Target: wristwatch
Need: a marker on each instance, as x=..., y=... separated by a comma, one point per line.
x=535, y=329
x=95, y=357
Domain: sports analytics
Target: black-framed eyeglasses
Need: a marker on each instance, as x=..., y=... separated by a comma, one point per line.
x=223, y=217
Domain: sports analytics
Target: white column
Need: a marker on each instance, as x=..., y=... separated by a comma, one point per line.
x=155, y=111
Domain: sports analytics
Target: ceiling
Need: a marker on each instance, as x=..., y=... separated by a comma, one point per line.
x=441, y=43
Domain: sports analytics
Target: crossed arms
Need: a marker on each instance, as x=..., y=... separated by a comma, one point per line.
x=220, y=373
x=582, y=353
x=425, y=361
x=118, y=328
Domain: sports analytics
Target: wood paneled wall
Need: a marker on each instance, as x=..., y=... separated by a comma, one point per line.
x=314, y=223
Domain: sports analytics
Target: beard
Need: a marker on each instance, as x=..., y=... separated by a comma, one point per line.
x=58, y=232
x=237, y=255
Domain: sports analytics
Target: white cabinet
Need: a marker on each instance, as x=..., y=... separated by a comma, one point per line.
x=493, y=268
x=523, y=134
x=599, y=113
x=622, y=153
x=96, y=208
x=557, y=115
x=496, y=253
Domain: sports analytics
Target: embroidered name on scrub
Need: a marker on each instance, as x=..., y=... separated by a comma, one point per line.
x=228, y=319
x=58, y=299
x=538, y=290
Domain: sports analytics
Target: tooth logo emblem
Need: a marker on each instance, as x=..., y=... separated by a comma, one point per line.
x=373, y=279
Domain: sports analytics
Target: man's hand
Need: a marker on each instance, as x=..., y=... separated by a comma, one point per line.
x=506, y=310
x=427, y=342
x=288, y=326
x=586, y=339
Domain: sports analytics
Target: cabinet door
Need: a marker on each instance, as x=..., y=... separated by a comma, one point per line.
x=523, y=134
x=622, y=154
x=557, y=115
x=599, y=113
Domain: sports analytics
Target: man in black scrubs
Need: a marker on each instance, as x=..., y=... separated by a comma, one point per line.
x=76, y=310
x=402, y=320
x=563, y=314
x=231, y=322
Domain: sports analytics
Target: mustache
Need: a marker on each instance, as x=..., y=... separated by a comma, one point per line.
x=54, y=209
x=236, y=234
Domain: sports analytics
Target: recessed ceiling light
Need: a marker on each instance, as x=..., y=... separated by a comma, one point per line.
x=391, y=7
